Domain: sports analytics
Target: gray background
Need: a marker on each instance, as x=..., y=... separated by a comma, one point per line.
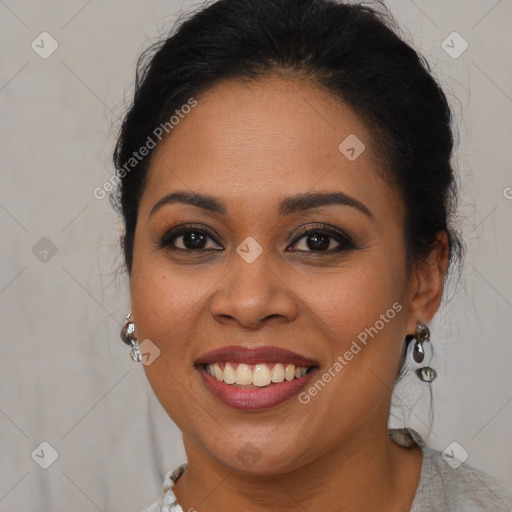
x=66, y=378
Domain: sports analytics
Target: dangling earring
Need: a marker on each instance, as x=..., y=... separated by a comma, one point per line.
x=128, y=336
x=419, y=354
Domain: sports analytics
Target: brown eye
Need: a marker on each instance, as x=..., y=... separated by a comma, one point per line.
x=318, y=241
x=324, y=239
x=188, y=239
x=192, y=240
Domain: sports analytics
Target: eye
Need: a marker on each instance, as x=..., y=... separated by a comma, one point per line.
x=322, y=238
x=189, y=238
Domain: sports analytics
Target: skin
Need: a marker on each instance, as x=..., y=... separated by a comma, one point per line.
x=250, y=145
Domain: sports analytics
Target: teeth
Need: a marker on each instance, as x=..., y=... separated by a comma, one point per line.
x=289, y=372
x=243, y=374
x=219, y=374
x=277, y=373
x=259, y=375
x=229, y=374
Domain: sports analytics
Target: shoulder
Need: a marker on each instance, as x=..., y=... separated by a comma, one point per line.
x=463, y=487
x=447, y=484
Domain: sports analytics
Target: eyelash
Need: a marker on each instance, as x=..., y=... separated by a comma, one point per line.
x=345, y=241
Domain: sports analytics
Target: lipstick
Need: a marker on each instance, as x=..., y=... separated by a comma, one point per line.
x=242, y=396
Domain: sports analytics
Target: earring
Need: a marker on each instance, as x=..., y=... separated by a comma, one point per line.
x=128, y=336
x=419, y=354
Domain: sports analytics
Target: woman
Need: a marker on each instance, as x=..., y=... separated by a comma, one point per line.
x=287, y=195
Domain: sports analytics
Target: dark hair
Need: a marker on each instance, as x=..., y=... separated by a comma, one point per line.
x=353, y=51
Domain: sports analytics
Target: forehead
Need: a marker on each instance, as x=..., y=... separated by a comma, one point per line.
x=266, y=139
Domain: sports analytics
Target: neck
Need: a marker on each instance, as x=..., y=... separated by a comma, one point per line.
x=366, y=471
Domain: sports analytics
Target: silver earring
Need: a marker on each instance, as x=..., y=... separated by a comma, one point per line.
x=128, y=336
x=419, y=354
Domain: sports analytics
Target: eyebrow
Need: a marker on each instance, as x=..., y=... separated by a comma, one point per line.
x=299, y=202
x=312, y=200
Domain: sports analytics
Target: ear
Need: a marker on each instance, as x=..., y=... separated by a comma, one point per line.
x=427, y=283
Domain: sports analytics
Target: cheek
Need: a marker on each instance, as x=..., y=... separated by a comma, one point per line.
x=159, y=304
x=351, y=301
x=363, y=313
x=165, y=305
x=165, y=308
x=163, y=298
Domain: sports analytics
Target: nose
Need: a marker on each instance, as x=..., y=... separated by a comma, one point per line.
x=252, y=295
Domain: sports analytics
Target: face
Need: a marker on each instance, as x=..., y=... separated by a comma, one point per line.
x=260, y=240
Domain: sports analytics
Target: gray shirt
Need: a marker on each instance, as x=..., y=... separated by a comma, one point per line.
x=446, y=484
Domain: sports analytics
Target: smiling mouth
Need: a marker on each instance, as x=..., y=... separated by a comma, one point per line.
x=255, y=378
x=243, y=375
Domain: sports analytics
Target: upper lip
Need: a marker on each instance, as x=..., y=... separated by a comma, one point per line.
x=254, y=355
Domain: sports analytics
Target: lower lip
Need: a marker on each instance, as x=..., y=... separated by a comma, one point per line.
x=255, y=399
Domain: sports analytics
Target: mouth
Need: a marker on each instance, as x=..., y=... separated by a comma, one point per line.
x=254, y=378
